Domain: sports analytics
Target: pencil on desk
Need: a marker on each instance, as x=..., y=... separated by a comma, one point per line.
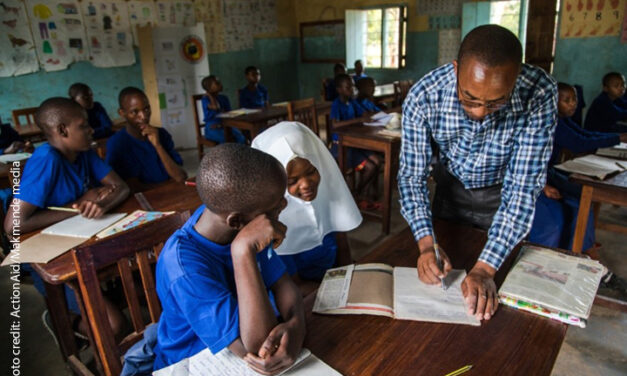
x=460, y=371
x=60, y=208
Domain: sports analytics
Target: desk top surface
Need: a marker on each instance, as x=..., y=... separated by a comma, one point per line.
x=616, y=182
x=270, y=113
x=512, y=342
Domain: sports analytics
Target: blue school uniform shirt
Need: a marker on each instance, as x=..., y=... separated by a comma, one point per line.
x=99, y=121
x=211, y=115
x=196, y=286
x=367, y=105
x=341, y=111
x=569, y=135
x=603, y=115
x=134, y=158
x=253, y=99
x=49, y=179
x=357, y=77
x=8, y=135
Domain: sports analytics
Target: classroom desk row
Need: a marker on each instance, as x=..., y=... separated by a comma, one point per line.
x=370, y=345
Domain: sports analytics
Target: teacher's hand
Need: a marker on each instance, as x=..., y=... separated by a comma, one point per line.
x=428, y=271
x=479, y=291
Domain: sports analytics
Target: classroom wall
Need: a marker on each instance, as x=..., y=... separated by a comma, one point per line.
x=30, y=90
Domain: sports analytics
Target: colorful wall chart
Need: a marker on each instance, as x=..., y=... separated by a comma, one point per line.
x=108, y=33
x=175, y=13
x=17, y=50
x=591, y=18
x=209, y=12
x=141, y=13
x=58, y=31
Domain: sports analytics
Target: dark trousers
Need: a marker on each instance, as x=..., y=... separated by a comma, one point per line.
x=453, y=202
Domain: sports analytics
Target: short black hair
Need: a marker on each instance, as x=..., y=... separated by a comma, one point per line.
x=563, y=86
x=78, y=88
x=342, y=78
x=235, y=178
x=339, y=66
x=206, y=82
x=363, y=82
x=608, y=77
x=358, y=61
x=56, y=111
x=491, y=45
x=250, y=68
x=128, y=91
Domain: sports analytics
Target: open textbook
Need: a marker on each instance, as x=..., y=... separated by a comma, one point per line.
x=380, y=289
x=618, y=151
x=225, y=363
x=594, y=166
x=552, y=284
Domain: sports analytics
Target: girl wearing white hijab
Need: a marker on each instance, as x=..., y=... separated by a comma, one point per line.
x=320, y=207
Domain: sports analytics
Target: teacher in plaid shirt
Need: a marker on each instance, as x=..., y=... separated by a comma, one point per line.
x=492, y=118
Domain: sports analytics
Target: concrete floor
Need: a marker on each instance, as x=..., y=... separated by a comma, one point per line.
x=599, y=349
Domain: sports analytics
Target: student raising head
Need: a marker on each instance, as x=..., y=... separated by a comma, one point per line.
x=365, y=96
x=141, y=153
x=359, y=71
x=96, y=115
x=254, y=94
x=320, y=208
x=609, y=107
x=214, y=275
x=213, y=104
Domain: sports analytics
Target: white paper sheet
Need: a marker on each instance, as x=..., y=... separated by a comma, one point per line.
x=81, y=227
x=414, y=300
x=17, y=49
x=8, y=158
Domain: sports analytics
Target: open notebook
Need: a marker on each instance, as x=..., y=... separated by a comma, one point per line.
x=594, y=166
x=225, y=363
x=380, y=289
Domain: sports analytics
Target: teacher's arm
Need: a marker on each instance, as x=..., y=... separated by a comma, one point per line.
x=412, y=183
x=524, y=179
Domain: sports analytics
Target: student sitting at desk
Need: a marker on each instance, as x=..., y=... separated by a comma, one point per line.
x=214, y=275
x=213, y=104
x=141, y=152
x=608, y=108
x=96, y=114
x=254, y=94
x=11, y=142
x=365, y=94
x=65, y=171
x=329, y=84
x=344, y=111
x=557, y=206
x=359, y=71
x=320, y=208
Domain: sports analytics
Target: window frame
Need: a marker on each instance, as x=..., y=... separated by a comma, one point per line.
x=402, y=30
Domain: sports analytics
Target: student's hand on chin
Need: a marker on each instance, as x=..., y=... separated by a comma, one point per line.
x=89, y=209
x=259, y=233
x=479, y=291
x=152, y=133
x=278, y=351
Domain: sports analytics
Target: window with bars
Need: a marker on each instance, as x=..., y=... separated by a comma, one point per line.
x=377, y=36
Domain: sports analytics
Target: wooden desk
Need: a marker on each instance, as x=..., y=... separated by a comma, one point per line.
x=30, y=132
x=170, y=196
x=364, y=137
x=610, y=191
x=511, y=343
x=256, y=122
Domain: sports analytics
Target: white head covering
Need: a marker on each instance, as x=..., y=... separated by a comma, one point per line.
x=333, y=209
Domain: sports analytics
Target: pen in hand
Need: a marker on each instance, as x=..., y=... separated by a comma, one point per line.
x=439, y=263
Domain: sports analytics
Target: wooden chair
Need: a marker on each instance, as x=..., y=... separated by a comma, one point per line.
x=201, y=141
x=134, y=248
x=401, y=89
x=304, y=111
x=27, y=113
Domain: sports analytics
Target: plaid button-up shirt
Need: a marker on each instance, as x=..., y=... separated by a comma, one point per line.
x=510, y=146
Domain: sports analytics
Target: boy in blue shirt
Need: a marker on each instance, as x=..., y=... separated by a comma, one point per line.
x=213, y=104
x=65, y=171
x=344, y=111
x=254, y=94
x=608, y=108
x=140, y=153
x=365, y=94
x=557, y=206
x=215, y=273
x=329, y=86
x=359, y=71
x=96, y=114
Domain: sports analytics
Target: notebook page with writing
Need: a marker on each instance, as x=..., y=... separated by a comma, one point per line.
x=414, y=300
x=81, y=227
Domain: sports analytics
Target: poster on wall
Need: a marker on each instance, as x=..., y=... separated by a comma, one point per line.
x=108, y=33
x=181, y=63
x=592, y=18
x=265, y=16
x=209, y=12
x=141, y=13
x=58, y=30
x=17, y=50
x=448, y=45
x=439, y=7
x=175, y=13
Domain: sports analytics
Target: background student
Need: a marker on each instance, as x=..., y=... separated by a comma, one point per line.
x=359, y=71
x=141, y=153
x=365, y=95
x=213, y=104
x=329, y=86
x=254, y=94
x=96, y=115
x=214, y=275
x=608, y=108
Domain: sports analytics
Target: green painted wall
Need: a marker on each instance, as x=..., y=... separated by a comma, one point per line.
x=31, y=89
